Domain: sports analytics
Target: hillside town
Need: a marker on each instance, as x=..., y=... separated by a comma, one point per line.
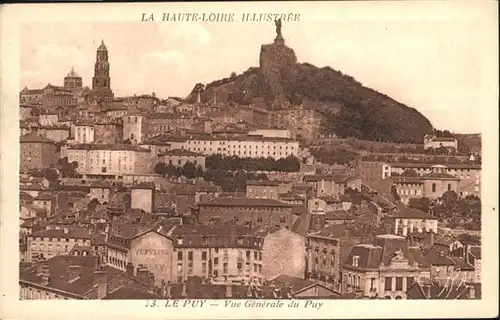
x=148, y=197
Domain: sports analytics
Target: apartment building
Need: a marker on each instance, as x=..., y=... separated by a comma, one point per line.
x=110, y=160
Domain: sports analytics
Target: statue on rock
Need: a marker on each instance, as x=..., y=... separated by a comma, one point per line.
x=279, y=37
x=278, y=27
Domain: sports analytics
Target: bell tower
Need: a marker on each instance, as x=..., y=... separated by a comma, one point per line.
x=101, y=82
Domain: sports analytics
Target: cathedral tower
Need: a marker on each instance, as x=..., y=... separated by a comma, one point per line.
x=101, y=82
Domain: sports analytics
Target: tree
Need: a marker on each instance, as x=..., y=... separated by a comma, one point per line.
x=160, y=168
x=449, y=199
x=420, y=203
x=51, y=174
x=189, y=170
x=92, y=204
x=127, y=141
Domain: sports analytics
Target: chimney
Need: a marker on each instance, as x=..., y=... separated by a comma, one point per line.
x=45, y=273
x=466, y=253
x=143, y=274
x=101, y=281
x=198, y=95
x=229, y=290
x=66, y=230
x=429, y=295
x=151, y=282
x=130, y=269
x=432, y=239
x=73, y=273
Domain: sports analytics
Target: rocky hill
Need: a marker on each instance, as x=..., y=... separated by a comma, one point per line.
x=349, y=109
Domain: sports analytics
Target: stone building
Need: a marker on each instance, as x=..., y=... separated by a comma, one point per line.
x=384, y=269
x=37, y=152
x=110, y=161
x=179, y=157
x=108, y=132
x=263, y=189
x=258, y=212
x=469, y=175
x=323, y=255
x=101, y=81
x=73, y=80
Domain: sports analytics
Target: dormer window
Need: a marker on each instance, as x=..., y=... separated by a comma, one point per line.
x=355, y=261
x=179, y=240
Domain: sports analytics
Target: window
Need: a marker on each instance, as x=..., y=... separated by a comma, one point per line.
x=259, y=219
x=216, y=261
x=355, y=261
x=190, y=267
x=224, y=267
x=239, y=266
x=282, y=219
x=399, y=283
x=179, y=255
x=449, y=186
x=204, y=267
x=388, y=284
x=216, y=250
x=433, y=187
x=248, y=255
x=372, y=284
x=409, y=281
x=204, y=255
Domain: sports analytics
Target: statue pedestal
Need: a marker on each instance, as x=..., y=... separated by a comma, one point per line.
x=279, y=40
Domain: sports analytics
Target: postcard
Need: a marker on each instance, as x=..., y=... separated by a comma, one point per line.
x=210, y=160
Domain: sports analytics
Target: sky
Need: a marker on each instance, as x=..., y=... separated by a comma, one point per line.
x=436, y=65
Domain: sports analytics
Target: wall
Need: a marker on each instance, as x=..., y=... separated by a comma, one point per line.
x=284, y=253
x=154, y=251
x=142, y=199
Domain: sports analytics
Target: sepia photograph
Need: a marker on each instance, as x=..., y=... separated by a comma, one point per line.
x=274, y=158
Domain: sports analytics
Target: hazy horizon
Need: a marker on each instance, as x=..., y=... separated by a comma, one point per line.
x=427, y=65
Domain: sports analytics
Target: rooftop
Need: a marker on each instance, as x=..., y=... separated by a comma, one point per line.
x=244, y=202
x=123, y=147
x=181, y=153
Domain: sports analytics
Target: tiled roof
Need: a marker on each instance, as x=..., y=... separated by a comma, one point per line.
x=58, y=268
x=45, y=197
x=73, y=233
x=262, y=183
x=103, y=184
x=143, y=185
x=25, y=196
x=475, y=251
x=384, y=248
x=339, y=215
x=124, y=147
x=34, y=138
x=338, y=178
x=440, y=176
x=430, y=165
x=404, y=212
x=244, y=202
x=180, y=153
x=407, y=180
x=443, y=290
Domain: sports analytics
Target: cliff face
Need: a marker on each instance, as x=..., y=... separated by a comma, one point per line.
x=348, y=108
